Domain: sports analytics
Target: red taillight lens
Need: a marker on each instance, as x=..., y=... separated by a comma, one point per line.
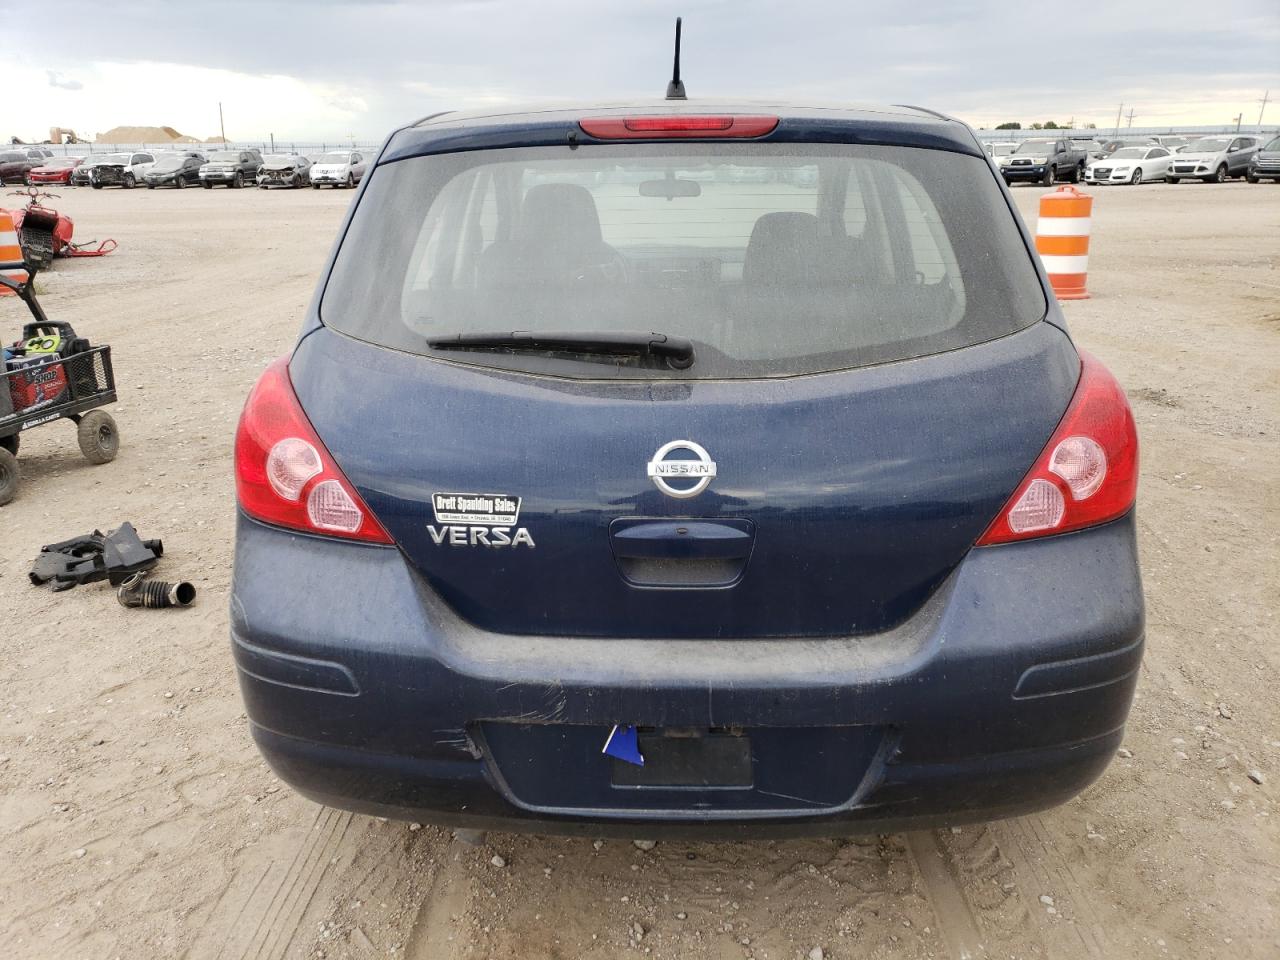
x=1088, y=472
x=676, y=127
x=285, y=476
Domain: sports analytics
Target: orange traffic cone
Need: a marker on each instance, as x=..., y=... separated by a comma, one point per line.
x=1062, y=239
x=10, y=251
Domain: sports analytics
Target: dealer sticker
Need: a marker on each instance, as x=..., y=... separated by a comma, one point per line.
x=490, y=508
x=477, y=520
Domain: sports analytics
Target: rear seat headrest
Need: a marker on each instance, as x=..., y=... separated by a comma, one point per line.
x=790, y=248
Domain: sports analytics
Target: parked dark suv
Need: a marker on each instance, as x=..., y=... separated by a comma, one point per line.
x=1265, y=164
x=686, y=468
x=16, y=162
x=234, y=168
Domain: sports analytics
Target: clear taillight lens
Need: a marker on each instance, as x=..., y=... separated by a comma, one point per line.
x=1082, y=463
x=1040, y=507
x=290, y=464
x=330, y=507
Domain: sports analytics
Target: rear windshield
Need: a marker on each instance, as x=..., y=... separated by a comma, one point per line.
x=773, y=259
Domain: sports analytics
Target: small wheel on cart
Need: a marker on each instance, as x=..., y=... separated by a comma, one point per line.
x=99, y=437
x=9, y=475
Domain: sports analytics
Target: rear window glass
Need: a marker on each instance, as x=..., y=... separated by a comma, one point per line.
x=774, y=260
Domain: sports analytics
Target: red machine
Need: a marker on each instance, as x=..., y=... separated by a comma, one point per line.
x=45, y=233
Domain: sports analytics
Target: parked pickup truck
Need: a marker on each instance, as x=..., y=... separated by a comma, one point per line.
x=1044, y=161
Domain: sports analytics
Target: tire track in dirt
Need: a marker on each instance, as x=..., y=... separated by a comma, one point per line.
x=954, y=914
x=261, y=911
x=985, y=883
x=446, y=899
x=1039, y=866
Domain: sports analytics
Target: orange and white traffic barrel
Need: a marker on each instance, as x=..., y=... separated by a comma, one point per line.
x=10, y=251
x=1062, y=239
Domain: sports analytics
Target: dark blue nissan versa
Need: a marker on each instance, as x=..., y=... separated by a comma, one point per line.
x=747, y=441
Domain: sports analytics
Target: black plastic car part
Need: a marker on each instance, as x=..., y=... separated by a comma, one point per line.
x=115, y=556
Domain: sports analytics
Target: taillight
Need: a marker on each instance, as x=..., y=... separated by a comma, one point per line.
x=677, y=127
x=285, y=476
x=1088, y=472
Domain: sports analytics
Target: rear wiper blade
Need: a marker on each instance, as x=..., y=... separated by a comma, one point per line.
x=677, y=351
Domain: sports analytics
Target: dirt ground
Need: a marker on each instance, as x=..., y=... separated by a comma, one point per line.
x=137, y=821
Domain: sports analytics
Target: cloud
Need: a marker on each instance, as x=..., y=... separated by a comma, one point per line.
x=57, y=80
x=385, y=63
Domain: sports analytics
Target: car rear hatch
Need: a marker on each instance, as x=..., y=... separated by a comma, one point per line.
x=781, y=485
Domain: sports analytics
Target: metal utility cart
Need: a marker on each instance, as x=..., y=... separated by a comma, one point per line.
x=65, y=379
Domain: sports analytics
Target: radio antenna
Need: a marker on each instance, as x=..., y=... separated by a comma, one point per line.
x=675, y=89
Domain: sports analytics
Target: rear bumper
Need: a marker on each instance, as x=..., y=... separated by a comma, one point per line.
x=1006, y=693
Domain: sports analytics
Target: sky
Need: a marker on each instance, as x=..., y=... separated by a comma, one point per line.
x=313, y=70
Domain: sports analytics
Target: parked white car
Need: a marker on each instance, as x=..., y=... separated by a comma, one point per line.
x=1000, y=148
x=125, y=170
x=1130, y=165
x=343, y=168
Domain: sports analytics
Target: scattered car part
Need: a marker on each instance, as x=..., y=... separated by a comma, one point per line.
x=138, y=591
x=114, y=556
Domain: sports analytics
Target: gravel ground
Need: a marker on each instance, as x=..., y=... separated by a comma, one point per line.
x=137, y=820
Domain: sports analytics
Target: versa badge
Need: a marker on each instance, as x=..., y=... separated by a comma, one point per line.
x=477, y=520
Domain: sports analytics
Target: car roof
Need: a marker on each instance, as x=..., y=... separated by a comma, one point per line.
x=546, y=125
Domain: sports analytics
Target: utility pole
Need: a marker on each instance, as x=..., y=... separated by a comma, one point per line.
x=1239, y=117
x=221, y=127
x=1265, y=97
x=273, y=143
x=1119, y=112
x=1130, y=127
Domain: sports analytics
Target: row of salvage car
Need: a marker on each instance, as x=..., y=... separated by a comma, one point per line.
x=1171, y=159
x=230, y=168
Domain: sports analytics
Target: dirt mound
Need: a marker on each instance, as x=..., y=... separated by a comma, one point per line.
x=143, y=135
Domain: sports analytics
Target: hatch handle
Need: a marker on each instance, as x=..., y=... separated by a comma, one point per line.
x=636, y=538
